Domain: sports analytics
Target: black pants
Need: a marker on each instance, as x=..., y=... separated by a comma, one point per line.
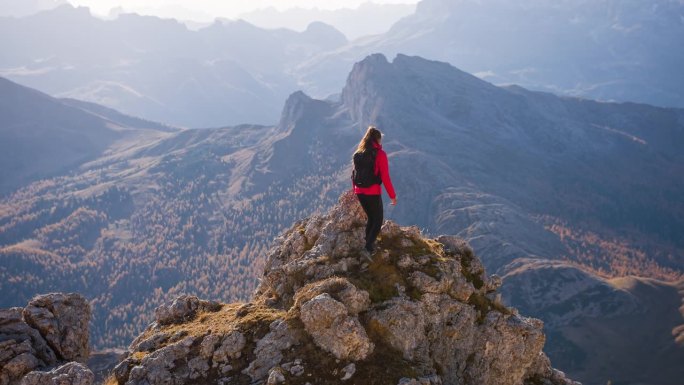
x=372, y=205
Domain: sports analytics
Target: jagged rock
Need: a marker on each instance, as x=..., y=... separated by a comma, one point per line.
x=454, y=245
x=123, y=370
x=390, y=230
x=450, y=280
x=505, y=347
x=427, y=284
x=182, y=309
x=230, y=348
x=22, y=348
x=401, y=323
x=493, y=283
x=158, y=367
x=208, y=345
x=290, y=258
x=334, y=330
x=150, y=344
x=72, y=373
x=541, y=372
x=62, y=319
x=199, y=367
x=423, y=312
x=19, y=364
x=354, y=299
x=295, y=367
x=269, y=350
x=52, y=329
x=503, y=344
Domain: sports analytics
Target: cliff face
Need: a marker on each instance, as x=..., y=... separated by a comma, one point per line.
x=418, y=311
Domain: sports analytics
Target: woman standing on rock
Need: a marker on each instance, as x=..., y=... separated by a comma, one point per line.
x=371, y=169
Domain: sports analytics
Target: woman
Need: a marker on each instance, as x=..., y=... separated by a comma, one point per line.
x=370, y=170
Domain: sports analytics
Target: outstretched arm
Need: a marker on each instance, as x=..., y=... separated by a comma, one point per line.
x=383, y=165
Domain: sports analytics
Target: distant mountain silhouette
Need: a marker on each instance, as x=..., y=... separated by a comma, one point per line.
x=368, y=19
x=19, y=8
x=230, y=72
x=41, y=136
x=117, y=116
x=605, y=49
x=543, y=187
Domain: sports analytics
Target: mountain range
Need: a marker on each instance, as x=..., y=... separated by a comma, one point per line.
x=229, y=72
x=606, y=49
x=20, y=8
x=232, y=72
x=367, y=19
x=564, y=198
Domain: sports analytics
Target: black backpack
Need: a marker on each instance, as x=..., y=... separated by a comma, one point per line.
x=364, y=169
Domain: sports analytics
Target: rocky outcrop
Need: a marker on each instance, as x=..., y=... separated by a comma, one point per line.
x=420, y=311
x=51, y=330
x=22, y=348
x=183, y=308
x=72, y=373
x=334, y=330
x=63, y=320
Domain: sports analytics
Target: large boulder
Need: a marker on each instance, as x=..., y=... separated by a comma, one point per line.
x=16, y=360
x=354, y=299
x=158, y=367
x=22, y=348
x=402, y=325
x=334, y=330
x=269, y=350
x=51, y=330
x=63, y=320
x=72, y=373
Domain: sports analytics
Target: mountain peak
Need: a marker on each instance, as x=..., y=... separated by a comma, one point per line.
x=376, y=85
x=436, y=7
x=67, y=9
x=422, y=311
x=362, y=86
x=298, y=107
x=323, y=33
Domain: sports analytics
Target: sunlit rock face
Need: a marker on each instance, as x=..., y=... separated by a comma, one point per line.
x=417, y=311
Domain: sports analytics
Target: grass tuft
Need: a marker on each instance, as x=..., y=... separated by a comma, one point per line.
x=484, y=305
x=475, y=277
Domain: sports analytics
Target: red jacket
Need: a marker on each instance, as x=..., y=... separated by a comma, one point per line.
x=382, y=168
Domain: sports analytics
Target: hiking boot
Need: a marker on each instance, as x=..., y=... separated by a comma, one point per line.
x=366, y=254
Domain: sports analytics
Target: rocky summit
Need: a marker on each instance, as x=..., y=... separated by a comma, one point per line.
x=417, y=311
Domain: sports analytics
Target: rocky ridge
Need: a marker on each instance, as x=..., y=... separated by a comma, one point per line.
x=420, y=311
x=51, y=332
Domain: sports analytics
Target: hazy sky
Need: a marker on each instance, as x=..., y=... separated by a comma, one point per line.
x=223, y=8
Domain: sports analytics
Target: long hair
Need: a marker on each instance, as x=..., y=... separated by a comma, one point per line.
x=372, y=135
